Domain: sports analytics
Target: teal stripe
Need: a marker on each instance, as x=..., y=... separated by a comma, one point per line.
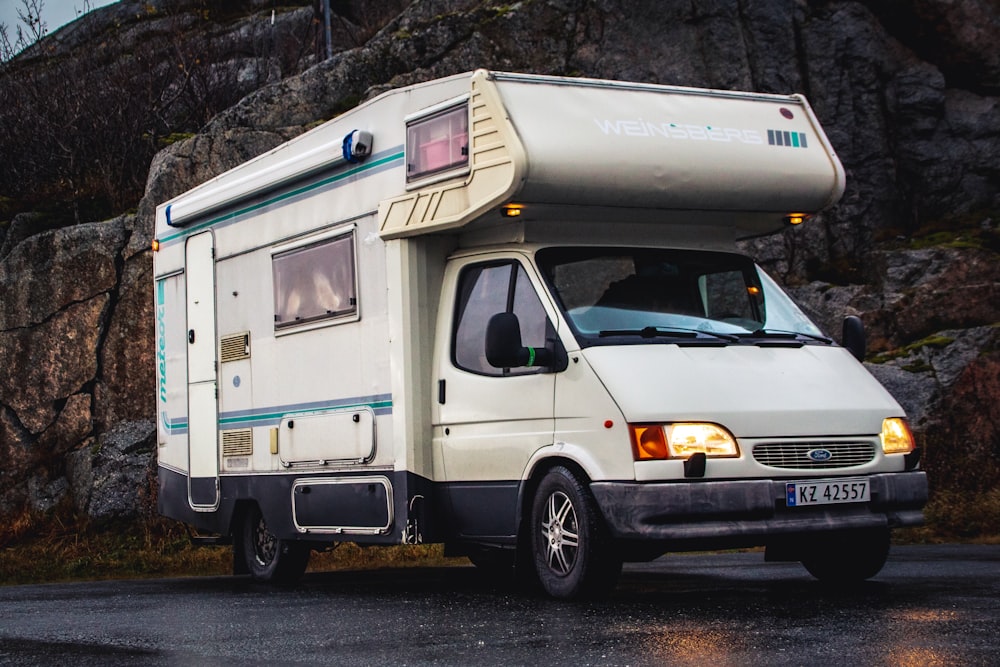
x=181, y=424
x=367, y=166
x=277, y=416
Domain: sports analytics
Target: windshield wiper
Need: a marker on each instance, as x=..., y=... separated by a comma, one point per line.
x=785, y=335
x=668, y=332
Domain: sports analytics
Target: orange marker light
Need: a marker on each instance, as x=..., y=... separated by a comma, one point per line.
x=511, y=210
x=648, y=442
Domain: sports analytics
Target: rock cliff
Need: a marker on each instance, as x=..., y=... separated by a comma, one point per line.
x=909, y=93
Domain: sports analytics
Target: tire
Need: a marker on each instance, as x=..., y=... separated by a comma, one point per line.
x=268, y=558
x=851, y=557
x=573, y=554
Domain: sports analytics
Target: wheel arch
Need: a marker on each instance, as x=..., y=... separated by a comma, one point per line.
x=537, y=469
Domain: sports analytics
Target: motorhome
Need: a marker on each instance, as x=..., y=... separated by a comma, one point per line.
x=507, y=313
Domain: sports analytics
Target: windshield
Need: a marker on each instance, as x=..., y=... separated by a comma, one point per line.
x=612, y=294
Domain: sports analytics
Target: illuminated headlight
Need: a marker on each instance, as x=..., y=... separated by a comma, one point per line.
x=681, y=441
x=896, y=436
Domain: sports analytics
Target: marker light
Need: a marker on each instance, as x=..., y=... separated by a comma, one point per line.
x=794, y=219
x=511, y=210
x=681, y=441
x=156, y=245
x=896, y=436
x=648, y=442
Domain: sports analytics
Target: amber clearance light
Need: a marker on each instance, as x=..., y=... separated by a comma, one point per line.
x=511, y=210
x=896, y=436
x=681, y=440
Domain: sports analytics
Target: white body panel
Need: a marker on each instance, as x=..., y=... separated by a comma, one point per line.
x=753, y=391
x=492, y=423
x=682, y=149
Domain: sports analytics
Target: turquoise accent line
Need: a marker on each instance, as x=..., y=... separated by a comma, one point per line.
x=174, y=426
x=272, y=415
x=233, y=215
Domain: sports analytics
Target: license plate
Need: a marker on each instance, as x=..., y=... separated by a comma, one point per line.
x=827, y=492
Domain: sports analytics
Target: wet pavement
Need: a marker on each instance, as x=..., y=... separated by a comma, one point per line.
x=931, y=605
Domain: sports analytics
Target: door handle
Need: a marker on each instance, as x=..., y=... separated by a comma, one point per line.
x=191, y=336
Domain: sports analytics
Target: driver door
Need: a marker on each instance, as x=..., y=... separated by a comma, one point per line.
x=489, y=421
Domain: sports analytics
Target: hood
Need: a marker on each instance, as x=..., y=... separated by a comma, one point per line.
x=753, y=391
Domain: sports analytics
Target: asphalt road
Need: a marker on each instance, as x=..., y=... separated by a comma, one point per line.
x=931, y=605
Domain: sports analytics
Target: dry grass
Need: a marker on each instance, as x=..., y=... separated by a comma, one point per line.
x=349, y=556
x=57, y=550
x=38, y=549
x=955, y=516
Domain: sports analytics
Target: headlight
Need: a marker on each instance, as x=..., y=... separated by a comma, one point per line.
x=896, y=436
x=681, y=440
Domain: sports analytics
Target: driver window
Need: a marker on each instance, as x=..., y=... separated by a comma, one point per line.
x=485, y=290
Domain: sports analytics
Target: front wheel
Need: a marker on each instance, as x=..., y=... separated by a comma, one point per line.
x=268, y=558
x=573, y=553
x=848, y=557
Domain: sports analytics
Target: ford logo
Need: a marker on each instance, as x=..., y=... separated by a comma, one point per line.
x=819, y=455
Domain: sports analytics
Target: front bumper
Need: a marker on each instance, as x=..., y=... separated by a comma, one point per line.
x=739, y=513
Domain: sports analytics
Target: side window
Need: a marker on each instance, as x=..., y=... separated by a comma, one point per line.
x=437, y=143
x=483, y=291
x=315, y=282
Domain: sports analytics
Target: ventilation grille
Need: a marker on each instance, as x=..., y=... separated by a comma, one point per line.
x=234, y=347
x=237, y=442
x=796, y=455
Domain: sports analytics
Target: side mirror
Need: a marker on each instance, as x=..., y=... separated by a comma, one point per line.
x=503, y=345
x=853, y=337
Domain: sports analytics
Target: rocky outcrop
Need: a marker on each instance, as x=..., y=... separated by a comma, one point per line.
x=909, y=93
x=114, y=475
x=77, y=363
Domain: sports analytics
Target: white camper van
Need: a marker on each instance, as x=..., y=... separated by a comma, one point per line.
x=507, y=313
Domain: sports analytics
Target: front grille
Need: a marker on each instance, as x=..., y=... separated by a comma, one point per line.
x=795, y=455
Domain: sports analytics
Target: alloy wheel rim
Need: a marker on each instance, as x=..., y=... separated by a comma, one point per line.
x=265, y=543
x=560, y=533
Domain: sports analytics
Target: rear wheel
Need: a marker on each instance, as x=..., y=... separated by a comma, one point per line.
x=847, y=557
x=269, y=558
x=573, y=554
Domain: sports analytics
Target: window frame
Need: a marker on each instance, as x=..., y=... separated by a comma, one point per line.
x=287, y=250
x=428, y=116
x=461, y=301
